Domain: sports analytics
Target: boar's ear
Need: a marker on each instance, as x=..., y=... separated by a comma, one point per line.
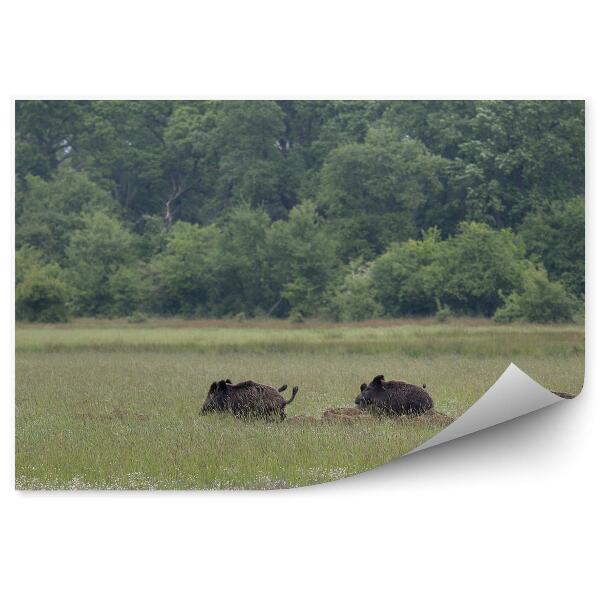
x=363, y=387
x=228, y=381
x=222, y=386
x=377, y=381
x=213, y=387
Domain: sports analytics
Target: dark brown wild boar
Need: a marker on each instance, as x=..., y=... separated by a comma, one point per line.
x=247, y=399
x=393, y=397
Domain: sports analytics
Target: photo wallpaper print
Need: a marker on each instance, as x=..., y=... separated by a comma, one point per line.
x=272, y=294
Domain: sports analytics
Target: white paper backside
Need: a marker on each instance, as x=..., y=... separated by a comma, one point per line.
x=512, y=395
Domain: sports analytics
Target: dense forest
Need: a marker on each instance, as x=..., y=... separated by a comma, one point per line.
x=343, y=210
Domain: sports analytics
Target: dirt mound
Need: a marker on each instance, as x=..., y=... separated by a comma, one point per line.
x=344, y=413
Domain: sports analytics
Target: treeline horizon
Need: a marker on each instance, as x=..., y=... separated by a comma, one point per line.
x=344, y=210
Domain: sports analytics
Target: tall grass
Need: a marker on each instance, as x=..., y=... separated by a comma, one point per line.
x=409, y=339
x=104, y=407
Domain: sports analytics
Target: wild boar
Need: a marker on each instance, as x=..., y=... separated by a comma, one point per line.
x=393, y=397
x=247, y=399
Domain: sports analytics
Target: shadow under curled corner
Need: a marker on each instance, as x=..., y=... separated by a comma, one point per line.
x=513, y=394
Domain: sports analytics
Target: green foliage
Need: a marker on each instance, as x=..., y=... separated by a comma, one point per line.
x=93, y=257
x=407, y=278
x=296, y=316
x=130, y=289
x=242, y=263
x=185, y=272
x=45, y=133
x=538, y=301
x=555, y=236
x=48, y=212
x=137, y=317
x=354, y=299
x=383, y=183
x=41, y=294
x=217, y=208
x=302, y=259
x=505, y=155
x=468, y=272
x=27, y=258
x=443, y=314
x=252, y=169
x=478, y=265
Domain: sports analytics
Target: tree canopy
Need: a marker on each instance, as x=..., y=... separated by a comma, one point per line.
x=343, y=209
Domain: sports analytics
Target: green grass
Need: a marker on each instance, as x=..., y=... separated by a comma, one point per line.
x=115, y=405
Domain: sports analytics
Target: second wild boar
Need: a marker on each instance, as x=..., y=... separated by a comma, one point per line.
x=393, y=397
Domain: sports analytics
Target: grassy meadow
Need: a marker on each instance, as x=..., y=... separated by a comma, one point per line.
x=109, y=404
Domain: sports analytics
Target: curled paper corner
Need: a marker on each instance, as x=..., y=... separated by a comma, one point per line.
x=513, y=394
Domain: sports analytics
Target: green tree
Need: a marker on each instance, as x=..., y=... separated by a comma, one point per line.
x=517, y=153
x=555, y=236
x=256, y=164
x=479, y=265
x=186, y=272
x=354, y=300
x=130, y=289
x=407, y=278
x=48, y=212
x=373, y=191
x=95, y=253
x=153, y=156
x=243, y=262
x=45, y=134
x=303, y=259
x=41, y=294
x=538, y=300
x=282, y=199
x=27, y=258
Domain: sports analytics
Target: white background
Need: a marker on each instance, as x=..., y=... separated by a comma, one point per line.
x=507, y=513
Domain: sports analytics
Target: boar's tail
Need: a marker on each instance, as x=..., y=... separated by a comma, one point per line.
x=294, y=392
x=282, y=388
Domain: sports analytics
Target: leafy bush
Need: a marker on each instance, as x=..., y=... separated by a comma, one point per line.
x=555, y=235
x=185, y=271
x=130, y=290
x=406, y=278
x=41, y=295
x=137, y=317
x=443, y=314
x=479, y=265
x=380, y=184
x=27, y=258
x=94, y=255
x=302, y=259
x=48, y=212
x=539, y=301
x=353, y=300
x=296, y=317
